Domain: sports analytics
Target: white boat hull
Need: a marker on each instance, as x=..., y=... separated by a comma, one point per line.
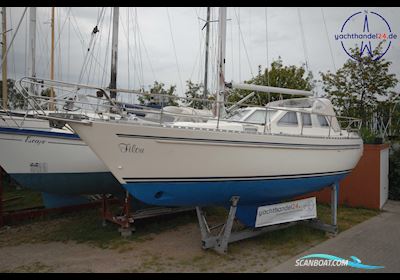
x=181, y=166
x=52, y=160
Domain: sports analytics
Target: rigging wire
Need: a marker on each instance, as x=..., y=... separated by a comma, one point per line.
x=12, y=40
x=69, y=48
x=26, y=46
x=239, y=52
x=45, y=47
x=267, y=50
x=199, y=49
x=105, y=72
x=134, y=48
x=198, y=53
x=12, y=50
x=78, y=32
x=129, y=53
x=59, y=66
x=127, y=20
x=214, y=53
x=139, y=51
x=303, y=40
x=91, y=46
x=327, y=37
x=267, y=44
x=173, y=44
x=57, y=42
x=145, y=49
x=232, y=56
x=244, y=45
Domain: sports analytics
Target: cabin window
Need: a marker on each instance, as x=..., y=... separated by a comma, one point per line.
x=290, y=118
x=257, y=117
x=306, y=118
x=322, y=121
x=238, y=115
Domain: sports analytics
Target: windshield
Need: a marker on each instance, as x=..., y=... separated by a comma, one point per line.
x=238, y=115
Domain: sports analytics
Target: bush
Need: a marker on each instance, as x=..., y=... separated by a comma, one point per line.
x=394, y=174
x=369, y=137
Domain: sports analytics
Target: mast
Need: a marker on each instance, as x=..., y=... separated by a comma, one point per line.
x=206, y=62
x=114, y=53
x=4, y=58
x=221, y=59
x=32, y=45
x=52, y=60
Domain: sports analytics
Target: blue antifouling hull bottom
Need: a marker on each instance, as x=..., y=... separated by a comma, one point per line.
x=55, y=201
x=70, y=183
x=252, y=193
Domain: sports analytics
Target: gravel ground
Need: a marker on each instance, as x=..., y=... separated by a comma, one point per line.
x=171, y=251
x=173, y=247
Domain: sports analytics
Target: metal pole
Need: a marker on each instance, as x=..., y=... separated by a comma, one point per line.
x=32, y=45
x=114, y=53
x=51, y=105
x=221, y=59
x=334, y=202
x=206, y=62
x=4, y=58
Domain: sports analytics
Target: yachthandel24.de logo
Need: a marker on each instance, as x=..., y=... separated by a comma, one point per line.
x=366, y=29
x=318, y=260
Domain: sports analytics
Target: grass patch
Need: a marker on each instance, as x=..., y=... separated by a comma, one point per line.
x=36, y=267
x=256, y=253
x=24, y=198
x=292, y=240
x=86, y=227
x=347, y=216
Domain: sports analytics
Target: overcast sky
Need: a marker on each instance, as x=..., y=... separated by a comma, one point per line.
x=167, y=44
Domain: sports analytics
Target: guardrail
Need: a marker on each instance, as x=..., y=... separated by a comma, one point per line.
x=96, y=101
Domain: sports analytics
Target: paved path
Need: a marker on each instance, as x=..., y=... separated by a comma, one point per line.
x=374, y=242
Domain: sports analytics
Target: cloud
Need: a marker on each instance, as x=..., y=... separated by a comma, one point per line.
x=152, y=55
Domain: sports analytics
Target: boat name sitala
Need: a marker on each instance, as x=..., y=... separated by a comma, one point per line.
x=130, y=148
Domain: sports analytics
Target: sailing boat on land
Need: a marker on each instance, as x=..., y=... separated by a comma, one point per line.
x=54, y=161
x=262, y=155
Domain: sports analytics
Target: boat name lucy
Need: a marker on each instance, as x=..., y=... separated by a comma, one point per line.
x=130, y=148
x=31, y=139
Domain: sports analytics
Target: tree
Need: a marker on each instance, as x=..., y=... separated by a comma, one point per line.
x=15, y=99
x=196, y=91
x=158, y=88
x=278, y=75
x=361, y=87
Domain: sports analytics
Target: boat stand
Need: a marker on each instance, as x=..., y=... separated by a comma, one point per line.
x=125, y=220
x=219, y=242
